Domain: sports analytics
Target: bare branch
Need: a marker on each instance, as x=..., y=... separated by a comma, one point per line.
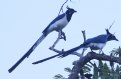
x=84, y=49
x=61, y=9
x=77, y=54
x=59, y=35
x=112, y=24
x=85, y=59
x=57, y=51
x=84, y=36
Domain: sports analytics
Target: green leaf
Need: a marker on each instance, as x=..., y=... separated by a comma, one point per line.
x=95, y=71
x=68, y=70
x=59, y=76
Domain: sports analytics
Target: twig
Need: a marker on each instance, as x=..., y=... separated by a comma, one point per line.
x=77, y=54
x=112, y=24
x=61, y=9
x=59, y=35
x=84, y=36
x=57, y=51
x=91, y=63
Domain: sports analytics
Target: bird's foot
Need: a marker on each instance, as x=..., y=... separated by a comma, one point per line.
x=62, y=55
x=101, y=52
x=51, y=48
x=63, y=36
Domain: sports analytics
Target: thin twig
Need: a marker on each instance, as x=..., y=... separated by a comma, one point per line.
x=61, y=9
x=58, y=51
x=84, y=36
x=55, y=50
x=112, y=24
x=59, y=35
x=91, y=63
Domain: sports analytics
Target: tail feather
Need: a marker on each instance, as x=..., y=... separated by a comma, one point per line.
x=63, y=54
x=27, y=54
x=40, y=61
x=35, y=45
x=68, y=52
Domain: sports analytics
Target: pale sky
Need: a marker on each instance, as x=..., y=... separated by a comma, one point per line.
x=22, y=23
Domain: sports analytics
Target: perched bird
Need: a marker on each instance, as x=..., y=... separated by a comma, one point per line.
x=95, y=43
x=56, y=25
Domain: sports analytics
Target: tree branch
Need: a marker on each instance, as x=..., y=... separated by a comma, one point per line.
x=57, y=51
x=61, y=35
x=112, y=24
x=84, y=36
x=84, y=49
x=85, y=59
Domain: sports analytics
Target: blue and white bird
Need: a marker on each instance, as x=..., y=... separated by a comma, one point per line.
x=56, y=25
x=95, y=43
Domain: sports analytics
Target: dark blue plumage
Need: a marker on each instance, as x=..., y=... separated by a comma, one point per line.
x=56, y=25
x=56, y=19
x=59, y=22
x=95, y=43
x=97, y=39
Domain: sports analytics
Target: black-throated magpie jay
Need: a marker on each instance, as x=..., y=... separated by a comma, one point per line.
x=56, y=25
x=95, y=43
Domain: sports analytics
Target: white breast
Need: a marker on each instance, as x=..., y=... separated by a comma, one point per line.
x=96, y=46
x=59, y=25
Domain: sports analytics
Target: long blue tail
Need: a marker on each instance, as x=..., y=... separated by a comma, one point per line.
x=40, y=61
x=27, y=54
x=68, y=52
x=63, y=54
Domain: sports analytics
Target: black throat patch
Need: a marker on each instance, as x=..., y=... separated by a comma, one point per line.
x=69, y=15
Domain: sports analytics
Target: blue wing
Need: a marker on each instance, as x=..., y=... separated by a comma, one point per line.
x=97, y=39
x=56, y=19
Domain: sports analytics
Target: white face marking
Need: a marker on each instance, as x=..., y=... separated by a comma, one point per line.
x=96, y=46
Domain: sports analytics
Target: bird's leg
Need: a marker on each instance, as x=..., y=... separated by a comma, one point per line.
x=59, y=36
x=63, y=36
x=101, y=52
x=91, y=49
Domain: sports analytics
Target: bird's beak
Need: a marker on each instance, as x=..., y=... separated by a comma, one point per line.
x=116, y=39
x=75, y=11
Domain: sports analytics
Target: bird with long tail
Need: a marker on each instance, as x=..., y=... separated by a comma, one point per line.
x=56, y=25
x=95, y=43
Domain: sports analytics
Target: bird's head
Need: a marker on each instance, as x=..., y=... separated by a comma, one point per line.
x=111, y=36
x=70, y=11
